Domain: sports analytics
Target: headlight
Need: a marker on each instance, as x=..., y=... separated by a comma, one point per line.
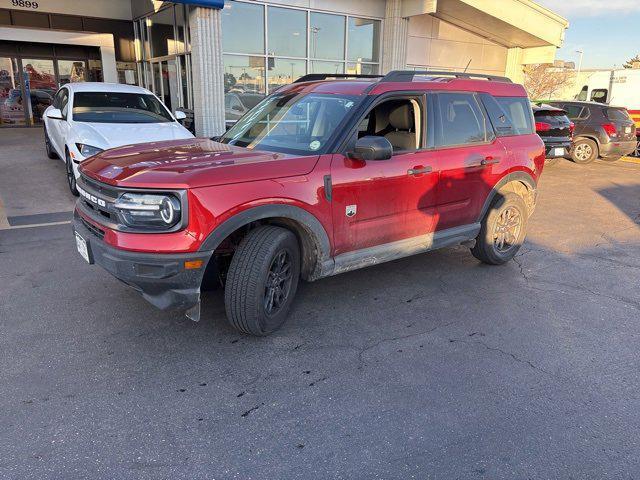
x=149, y=210
x=87, y=150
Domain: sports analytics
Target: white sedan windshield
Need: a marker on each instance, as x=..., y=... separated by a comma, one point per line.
x=116, y=107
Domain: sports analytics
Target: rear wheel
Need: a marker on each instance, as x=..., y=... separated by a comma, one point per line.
x=262, y=280
x=584, y=150
x=51, y=153
x=71, y=177
x=503, y=230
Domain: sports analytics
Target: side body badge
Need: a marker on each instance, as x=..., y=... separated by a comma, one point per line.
x=351, y=210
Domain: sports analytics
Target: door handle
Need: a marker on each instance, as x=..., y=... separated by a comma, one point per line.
x=418, y=170
x=489, y=160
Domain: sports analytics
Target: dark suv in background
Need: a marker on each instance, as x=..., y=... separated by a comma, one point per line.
x=556, y=131
x=600, y=130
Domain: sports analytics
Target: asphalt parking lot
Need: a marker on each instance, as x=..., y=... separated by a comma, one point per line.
x=433, y=366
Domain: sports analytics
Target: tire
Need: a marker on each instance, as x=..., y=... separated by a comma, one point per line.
x=256, y=280
x=71, y=177
x=584, y=150
x=487, y=248
x=51, y=153
x=550, y=162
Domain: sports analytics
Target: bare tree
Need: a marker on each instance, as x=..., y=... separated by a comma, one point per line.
x=631, y=62
x=543, y=81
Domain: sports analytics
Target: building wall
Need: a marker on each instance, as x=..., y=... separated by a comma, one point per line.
x=437, y=44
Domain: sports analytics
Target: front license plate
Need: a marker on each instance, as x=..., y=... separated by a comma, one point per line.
x=558, y=152
x=83, y=247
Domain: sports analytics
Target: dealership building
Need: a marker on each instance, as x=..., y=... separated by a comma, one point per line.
x=215, y=59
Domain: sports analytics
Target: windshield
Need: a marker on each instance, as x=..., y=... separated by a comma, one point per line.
x=294, y=123
x=115, y=107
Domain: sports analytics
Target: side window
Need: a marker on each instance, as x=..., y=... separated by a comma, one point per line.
x=64, y=103
x=398, y=120
x=499, y=119
x=599, y=95
x=582, y=96
x=518, y=109
x=460, y=120
x=574, y=112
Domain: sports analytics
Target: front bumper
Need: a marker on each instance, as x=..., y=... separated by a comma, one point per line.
x=617, y=149
x=161, y=278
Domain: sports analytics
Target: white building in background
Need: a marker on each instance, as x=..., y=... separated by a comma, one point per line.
x=216, y=58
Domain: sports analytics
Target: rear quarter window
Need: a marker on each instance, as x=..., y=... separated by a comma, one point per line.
x=617, y=114
x=518, y=109
x=574, y=112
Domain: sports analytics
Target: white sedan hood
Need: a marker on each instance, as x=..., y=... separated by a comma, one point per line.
x=111, y=135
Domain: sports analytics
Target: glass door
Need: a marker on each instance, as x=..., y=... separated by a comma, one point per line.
x=12, y=107
x=40, y=86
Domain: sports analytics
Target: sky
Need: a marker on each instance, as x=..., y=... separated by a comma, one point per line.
x=607, y=31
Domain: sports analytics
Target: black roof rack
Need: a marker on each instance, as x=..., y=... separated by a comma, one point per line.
x=407, y=75
x=314, y=77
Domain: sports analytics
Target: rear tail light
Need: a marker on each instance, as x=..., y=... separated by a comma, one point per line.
x=543, y=127
x=610, y=129
x=572, y=128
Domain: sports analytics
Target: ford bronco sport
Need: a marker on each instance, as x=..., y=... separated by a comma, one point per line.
x=326, y=175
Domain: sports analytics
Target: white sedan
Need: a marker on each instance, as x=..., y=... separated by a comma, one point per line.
x=87, y=118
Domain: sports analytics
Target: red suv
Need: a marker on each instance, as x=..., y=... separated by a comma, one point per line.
x=326, y=175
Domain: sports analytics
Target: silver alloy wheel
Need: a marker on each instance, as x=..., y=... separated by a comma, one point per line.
x=583, y=152
x=507, y=229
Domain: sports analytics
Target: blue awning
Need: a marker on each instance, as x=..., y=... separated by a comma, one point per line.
x=203, y=3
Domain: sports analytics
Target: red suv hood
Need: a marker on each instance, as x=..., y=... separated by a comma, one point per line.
x=192, y=163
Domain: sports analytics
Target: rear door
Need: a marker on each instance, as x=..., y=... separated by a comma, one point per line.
x=468, y=156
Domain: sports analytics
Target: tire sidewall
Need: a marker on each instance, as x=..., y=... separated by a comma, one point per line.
x=68, y=170
x=268, y=324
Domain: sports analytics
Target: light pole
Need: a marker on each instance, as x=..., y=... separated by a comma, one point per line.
x=580, y=61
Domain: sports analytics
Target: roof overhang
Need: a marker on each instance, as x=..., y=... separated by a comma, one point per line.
x=511, y=23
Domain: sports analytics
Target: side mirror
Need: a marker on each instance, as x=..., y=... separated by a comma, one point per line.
x=54, y=114
x=180, y=115
x=372, y=148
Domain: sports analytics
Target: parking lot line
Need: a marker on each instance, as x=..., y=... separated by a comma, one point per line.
x=39, y=218
x=631, y=160
x=33, y=225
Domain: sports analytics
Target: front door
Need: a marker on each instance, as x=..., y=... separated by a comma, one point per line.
x=378, y=202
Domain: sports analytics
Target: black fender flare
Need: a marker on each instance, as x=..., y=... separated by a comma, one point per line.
x=315, y=231
x=520, y=176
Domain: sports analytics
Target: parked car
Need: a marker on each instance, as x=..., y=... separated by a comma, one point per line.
x=323, y=177
x=87, y=118
x=236, y=104
x=555, y=129
x=600, y=130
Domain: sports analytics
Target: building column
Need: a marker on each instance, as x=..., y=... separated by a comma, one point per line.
x=396, y=31
x=515, y=68
x=207, y=71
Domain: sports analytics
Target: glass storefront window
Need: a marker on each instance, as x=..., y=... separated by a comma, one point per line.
x=181, y=30
x=318, y=66
x=287, y=32
x=244, y=74
x=42, y=86
x=163, y=40
x=243, y=28
x=362, y=69
x=326, y=36
x=11, y=102
x=71, y=71
x=364, y=39
x=283, y=71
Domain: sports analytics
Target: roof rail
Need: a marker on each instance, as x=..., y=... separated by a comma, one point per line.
x=407, y=75
x=314, y=77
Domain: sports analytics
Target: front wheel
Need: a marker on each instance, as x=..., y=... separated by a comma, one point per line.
x=71, y=177
x=51, y=153
x=503, y=230
x=262, y=280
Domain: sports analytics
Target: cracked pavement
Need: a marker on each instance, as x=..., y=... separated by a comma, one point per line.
x=434, y=366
